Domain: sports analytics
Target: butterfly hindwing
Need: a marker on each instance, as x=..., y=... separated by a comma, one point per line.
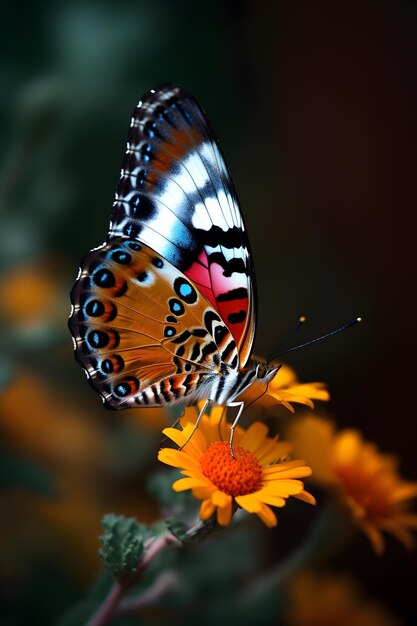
x=175, y=195
x=143, y=332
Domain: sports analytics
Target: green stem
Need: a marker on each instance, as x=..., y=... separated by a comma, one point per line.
x=109, y=607
x=113, y=604
x=166, y=582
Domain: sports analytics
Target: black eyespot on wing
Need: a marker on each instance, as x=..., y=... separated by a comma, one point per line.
x=98, y=339
x=169, y=331
x=220, y=333
x=103, y=311
x=142, y=207
x=157, y=262
x=120, y=256
x=185, y=290
x=142, y=277
x=134, y=245
x=94, y=308
x=104, y=278
x=126, y=387
x=131, y=229
x=176, y=306
x=112, y=365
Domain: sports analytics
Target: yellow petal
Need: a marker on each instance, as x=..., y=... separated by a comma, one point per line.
x=207, y=509
x=280, y=449
x=404, y=491
x=182, y=484
x=203, y=492
x=175, y=435
x=254, y=436
x=306, y=497
x=268, y=498
x=315, y=391
x=287, y=396
x=296, y=472
x=284, y=466
x=220, y=498
x=177, y=458
x=250, y=502
x=267, y=516
x=284, y=488
x=224, y=513
x=196, y=443
x=375, y=537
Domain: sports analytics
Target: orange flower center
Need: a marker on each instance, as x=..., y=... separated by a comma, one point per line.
x=234, y=476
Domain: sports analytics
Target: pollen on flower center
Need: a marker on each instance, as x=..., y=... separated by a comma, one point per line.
x=235, y=476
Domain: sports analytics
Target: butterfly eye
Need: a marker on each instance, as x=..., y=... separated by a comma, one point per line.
x=261, y=370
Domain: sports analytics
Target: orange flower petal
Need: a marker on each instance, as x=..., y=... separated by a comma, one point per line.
x=207, y=509
x=182, y=484
x=254, y=436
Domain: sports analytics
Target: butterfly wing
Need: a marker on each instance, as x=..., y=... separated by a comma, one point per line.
x=176, y=196
x=142, y=331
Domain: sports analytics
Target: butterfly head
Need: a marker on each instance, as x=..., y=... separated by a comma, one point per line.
x=265, y=372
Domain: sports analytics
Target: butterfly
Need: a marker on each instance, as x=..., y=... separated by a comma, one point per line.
x=164, y=311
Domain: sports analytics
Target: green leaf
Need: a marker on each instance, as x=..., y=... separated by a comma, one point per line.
x=178, y=529
x=122, y=544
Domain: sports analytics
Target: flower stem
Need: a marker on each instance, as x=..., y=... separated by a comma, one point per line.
x=113, y=605
x=109, y=607
x=106, y=611
x=166, y=582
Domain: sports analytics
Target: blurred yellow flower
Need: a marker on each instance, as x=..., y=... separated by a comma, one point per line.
x=32, y=295
x=53, y=428
x=260, y=474
x=317, y=599
x=285, y=389
x=367, y=482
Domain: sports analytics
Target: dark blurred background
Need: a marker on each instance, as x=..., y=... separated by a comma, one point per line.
x=315, y=108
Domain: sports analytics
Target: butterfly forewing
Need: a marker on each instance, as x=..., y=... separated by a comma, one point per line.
x=143, y=332
x=176, y=196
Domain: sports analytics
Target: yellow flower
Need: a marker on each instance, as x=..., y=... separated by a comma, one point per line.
x=284, y=389
x=320, y=599
x=366, y=481
x=260, y=474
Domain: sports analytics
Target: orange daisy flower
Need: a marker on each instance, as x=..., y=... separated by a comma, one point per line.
x=285, y=389
x=331, y=598
x=260, y=475
x=366, y=481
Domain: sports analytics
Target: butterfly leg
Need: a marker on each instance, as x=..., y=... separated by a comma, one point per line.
x=198, y=420
x=241, y=406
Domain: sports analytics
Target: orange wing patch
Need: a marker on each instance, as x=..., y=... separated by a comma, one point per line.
x=143, y=332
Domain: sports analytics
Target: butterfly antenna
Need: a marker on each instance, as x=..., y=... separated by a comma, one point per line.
x=357, y=320
x=301, y=321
